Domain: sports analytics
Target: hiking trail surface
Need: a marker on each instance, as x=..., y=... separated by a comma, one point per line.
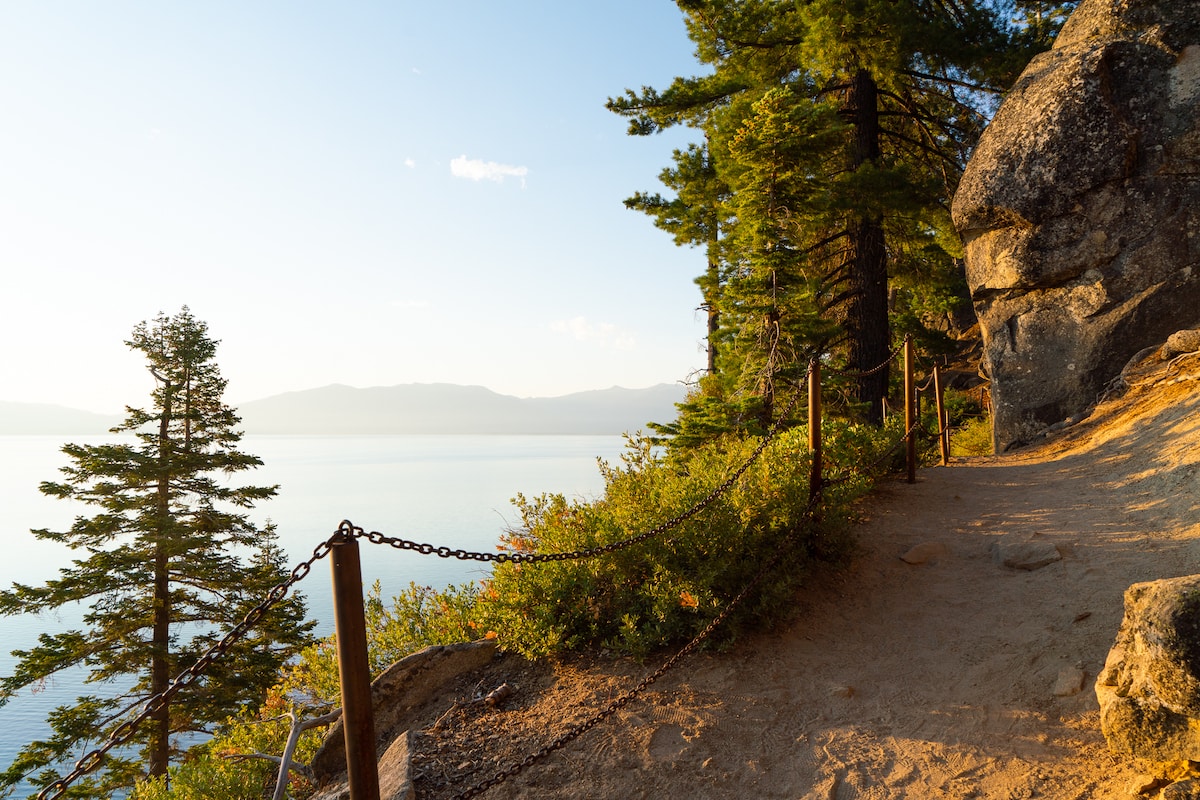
x=953, y=677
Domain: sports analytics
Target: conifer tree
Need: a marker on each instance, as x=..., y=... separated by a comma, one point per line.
x=885, y=100
x=696, y=216
x=167, y=565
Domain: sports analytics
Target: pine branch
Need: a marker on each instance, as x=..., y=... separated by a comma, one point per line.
x=947, y=80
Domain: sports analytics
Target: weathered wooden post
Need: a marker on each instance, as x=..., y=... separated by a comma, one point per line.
x=358, y=716
x=910, y=411
x=943, y=428
x=814, y=428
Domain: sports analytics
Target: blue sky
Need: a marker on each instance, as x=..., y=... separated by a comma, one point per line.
x=359, y=193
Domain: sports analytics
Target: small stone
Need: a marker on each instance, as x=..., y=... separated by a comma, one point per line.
x=842, y=691
x=1182, y=790
x=1070, y=682
x=925, y=553
x=1144, y=783
x=1025, y=555
x=1180, y=342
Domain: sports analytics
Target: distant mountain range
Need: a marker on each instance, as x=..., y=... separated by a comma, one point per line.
x=409, y=408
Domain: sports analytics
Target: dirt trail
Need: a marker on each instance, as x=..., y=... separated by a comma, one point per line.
x=950, y=678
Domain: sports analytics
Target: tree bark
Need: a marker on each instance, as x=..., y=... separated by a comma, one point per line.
x=160, y=730
x=867, y=312
x=711, y=301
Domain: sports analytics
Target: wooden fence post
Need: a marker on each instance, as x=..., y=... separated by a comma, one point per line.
x=814, y=428
x=943, y=428
x=910, y=411
x=358, y=716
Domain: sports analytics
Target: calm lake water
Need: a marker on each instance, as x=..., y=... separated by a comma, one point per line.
x=443, y=490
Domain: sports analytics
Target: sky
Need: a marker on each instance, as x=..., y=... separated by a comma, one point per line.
x=364, y=193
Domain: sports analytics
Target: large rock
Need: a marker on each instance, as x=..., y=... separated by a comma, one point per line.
x=401, y=689
x=1149, y=689
x=1080, y=210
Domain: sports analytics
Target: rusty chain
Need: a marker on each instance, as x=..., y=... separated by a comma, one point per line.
x=123, y=732
x=938, y=434
x=857, y=374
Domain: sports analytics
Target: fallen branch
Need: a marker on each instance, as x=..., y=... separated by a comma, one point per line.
x=285, y=762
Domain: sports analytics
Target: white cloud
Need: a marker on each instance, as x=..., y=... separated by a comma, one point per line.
x=410, y=163
x=603, y=333
x=476, y=170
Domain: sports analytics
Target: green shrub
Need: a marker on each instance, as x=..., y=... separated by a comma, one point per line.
x=220, y=767
x=973, y=438
x=971, y=426
x=668, y=588
x=416, y=618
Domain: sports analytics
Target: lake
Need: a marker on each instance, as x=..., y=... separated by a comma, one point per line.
x=443, y=490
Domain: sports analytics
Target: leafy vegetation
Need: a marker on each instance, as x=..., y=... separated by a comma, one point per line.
x=970, y=424
x=832, y=134
x=228, y=766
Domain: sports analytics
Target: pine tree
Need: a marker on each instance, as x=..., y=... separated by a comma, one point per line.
x=696, y=216
x=168, y=563
x=886, y=99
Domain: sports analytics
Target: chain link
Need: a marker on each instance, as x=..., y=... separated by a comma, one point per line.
x=123, y=732
x=858, y=374
x=938, y=434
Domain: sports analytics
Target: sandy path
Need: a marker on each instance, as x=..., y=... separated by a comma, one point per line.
x=943, y=679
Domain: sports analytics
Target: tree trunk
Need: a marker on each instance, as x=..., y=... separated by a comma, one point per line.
x=767, y=386
x=867, y=314
x=158, y=748
x=712, y=295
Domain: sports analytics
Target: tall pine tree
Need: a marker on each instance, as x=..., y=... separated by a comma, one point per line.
x=848, y=202
x=168, y=563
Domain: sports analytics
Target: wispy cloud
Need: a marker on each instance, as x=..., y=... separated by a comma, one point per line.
x=603, y=333
x=476, y=170
x=410, y=163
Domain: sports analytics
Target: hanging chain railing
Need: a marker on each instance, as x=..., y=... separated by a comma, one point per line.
x=348, y=533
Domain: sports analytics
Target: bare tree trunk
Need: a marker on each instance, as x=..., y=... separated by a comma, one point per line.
x=867, y=314
x=160, y=730
x=712, y=296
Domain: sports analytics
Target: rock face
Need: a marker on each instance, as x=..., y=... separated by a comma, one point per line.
x=1080, y=210
x=1149, y=689
x=402, y=687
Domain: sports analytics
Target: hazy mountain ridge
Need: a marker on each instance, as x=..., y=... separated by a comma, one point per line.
x=450, y=408
x=418, y=408
x=45, y=418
